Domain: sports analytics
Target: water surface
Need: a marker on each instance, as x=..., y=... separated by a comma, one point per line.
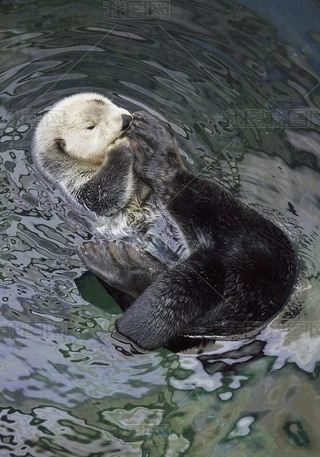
x=241, y=90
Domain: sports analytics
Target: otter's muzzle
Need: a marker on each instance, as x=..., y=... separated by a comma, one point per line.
x=126, y=121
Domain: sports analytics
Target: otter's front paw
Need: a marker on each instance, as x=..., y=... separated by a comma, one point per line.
x=122, y=142
x=152, y=135
x=156, y=154
x=119, y=153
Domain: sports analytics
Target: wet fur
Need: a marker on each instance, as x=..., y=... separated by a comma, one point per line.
x=179, y=253
x=92, y=166
x=236, y=269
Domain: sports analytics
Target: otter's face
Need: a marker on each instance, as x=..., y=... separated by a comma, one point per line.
x=90, y=127
x=83, y=126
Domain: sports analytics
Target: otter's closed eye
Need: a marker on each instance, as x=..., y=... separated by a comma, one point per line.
x=91, y=127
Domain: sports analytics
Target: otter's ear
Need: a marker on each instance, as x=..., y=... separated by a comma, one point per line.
x=61, y=143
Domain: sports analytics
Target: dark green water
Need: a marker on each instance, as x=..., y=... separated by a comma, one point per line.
x=241, y=89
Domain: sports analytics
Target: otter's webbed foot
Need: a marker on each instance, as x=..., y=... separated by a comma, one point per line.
x=121, y=265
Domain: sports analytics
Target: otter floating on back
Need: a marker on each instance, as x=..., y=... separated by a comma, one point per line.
x=180, y=254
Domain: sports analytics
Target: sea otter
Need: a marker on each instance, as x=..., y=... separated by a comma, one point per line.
x=181, y=255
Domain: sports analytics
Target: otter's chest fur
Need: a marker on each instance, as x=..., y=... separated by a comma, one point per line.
x=150, y=227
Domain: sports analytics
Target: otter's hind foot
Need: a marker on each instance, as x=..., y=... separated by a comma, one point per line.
x=121, y=265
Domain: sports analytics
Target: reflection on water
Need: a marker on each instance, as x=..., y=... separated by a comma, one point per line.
x=235, y=89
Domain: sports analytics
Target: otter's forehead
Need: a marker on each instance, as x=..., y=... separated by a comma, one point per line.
x=92, y=108
x=86, y=110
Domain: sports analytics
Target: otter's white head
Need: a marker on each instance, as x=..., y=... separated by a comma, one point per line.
x=83, y=126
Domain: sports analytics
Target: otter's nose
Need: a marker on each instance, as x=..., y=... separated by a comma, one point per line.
x=126, y=121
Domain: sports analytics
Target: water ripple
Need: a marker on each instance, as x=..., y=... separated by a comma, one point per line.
x=67, y=385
